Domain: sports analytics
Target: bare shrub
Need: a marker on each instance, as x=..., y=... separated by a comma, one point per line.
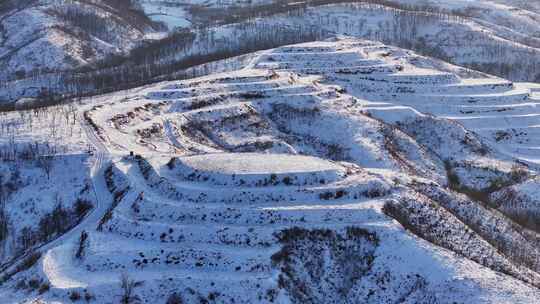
x=128, y=286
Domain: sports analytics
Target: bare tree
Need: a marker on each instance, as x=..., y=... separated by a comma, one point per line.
x=82, y=245
x=175, y=299
x=46, y=163
x=128, y=286
x=2, y=193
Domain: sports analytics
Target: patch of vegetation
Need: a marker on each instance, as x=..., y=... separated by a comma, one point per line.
x=328, y=195
x=74, y=296
x=171, y=164
x=82, y=245
x=118, y=195
x=29, y=261
x=55, y=223
x=34, y=283
x=128, y=287
x=88, y=296
x=175, y=298
x=517, y=174
x=45, y=287
x=322, y=265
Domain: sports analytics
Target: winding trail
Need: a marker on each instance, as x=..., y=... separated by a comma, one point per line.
x=55, y=253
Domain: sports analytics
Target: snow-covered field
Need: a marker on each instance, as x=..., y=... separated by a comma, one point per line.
x=324, y=172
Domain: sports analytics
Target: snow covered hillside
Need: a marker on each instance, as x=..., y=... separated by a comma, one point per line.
x=339, y=171
x=499, y=37
x=181, y=13
x=45, y=179
x=485, y=35
x=42, y=36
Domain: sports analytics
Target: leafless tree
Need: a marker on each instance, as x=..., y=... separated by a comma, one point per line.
x=128, y=286
x=46, y=163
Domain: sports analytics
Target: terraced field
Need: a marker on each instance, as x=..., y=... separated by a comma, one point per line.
x=293, y=180
x=389, y=78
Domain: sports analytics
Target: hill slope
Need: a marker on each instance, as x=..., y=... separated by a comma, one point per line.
x=331, y=171
x=489, y=36
x=39, y=36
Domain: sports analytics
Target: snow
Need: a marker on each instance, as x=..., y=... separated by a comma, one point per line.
x=495, y=37
x=35, y=39
x=325, y=140
x=173, y=16
x=249, y=163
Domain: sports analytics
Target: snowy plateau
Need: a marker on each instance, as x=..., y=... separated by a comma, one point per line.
x=351, y=163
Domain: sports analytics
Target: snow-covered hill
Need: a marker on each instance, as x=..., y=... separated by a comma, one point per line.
x=40, y=36
x=485, y=35
x=341, y=171
x=496, y=37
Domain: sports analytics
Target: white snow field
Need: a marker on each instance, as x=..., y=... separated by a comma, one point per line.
x=256, y=169
x=340, y=171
